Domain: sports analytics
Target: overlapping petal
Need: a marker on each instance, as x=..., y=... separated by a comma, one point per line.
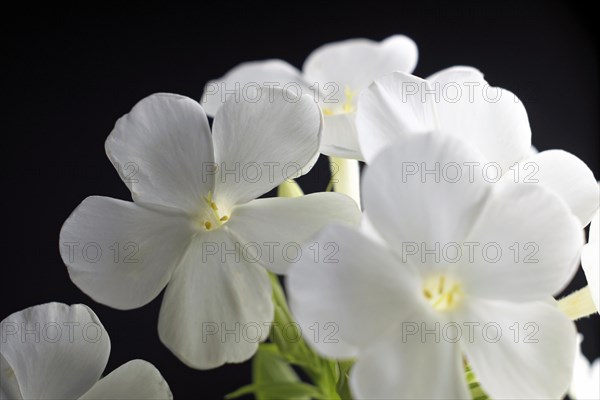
x=352, y=287
x=492, y=119
x=527, y=353
x=259, y=145
x=9, y=386
x=272, y=231
x=566, y=175
x=404, y=366
x=136, y=379
x=392, y=108
x=526, y=245
x=590, y=260
x=456, y=101
x=357, y=62
x=340, y=138
x=246, y=80
x=408, y=205
x=586, y=376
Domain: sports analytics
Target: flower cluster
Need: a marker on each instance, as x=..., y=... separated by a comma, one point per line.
x=433, y=275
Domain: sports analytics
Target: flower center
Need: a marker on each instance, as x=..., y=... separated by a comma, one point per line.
x=442, y=292
x=347, y=105
x=211, y=216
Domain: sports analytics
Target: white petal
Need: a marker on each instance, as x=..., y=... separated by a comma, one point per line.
x=56, y=351
x=586, y=376
x=530, y=357
x=9, y=386
x=259, y=145
x=533, y=150
x=403, y=366
x=355, y=290
x=492, y=119
x=272, y=231
x=357, y=62
x=217, y=308
x=367, y=229
x=340, y=138
x=585, y=379
x=457, y=69
x=392, y=108
x=245, y=79
x=590, y=260
x=136, y=379
x=163, y=151
x=416, y=209
x=565, y=174
x=122, y=254
x=349, y=67
x=527, y=245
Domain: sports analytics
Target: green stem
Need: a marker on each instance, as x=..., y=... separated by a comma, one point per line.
x=578, y=304
x=324, y=373
x=345, y=177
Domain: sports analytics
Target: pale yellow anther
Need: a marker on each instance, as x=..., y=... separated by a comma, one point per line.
x=349, y=93
x=442, y=292
x=213, y=219
x=347, y=106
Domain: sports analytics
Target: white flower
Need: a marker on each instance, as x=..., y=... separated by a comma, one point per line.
x=590, y=262
x=586, y=377
x=379, y=296
x=334, y=74
x=56, y=351
x=458, y=101
x=194, y=223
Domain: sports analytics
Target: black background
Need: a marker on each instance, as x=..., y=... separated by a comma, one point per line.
x=69, y=73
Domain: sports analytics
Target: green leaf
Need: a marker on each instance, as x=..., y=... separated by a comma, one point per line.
x=269, y=367
x=244, y=390
x=475, y=388
x=343, y=384
x=325, y=374
x=280, y=391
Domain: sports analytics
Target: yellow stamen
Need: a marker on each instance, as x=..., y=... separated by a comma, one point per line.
x=349, y=93
x=347, y=107
x=218, y=220
x=443, y=293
